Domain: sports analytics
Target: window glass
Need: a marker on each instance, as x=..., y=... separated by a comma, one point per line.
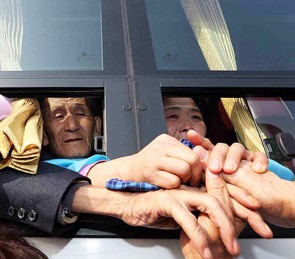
x=59, y=35
x=174, y=44
x=274, y=118
x=222, y=35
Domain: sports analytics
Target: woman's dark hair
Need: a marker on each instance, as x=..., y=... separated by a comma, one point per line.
x=203, y=104
x=13, y=245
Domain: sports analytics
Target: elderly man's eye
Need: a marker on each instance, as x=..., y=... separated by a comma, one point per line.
x=80, y=114
x=59, y=116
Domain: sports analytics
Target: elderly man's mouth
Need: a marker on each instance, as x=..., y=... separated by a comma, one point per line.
x=73, y=140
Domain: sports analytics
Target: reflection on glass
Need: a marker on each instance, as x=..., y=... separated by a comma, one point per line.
x=248, y=35
x=61, y=35
x=174, y=44
x=276, y=126
x=11, y=35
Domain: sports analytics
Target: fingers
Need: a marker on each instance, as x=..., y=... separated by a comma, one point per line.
x=260, y=162
x=187, y=251
x=216, y=187
x=254, y=219
x=242, y=197
x=228, y=158
x=217, y=157
x=199, y=140
x=188, y=222
x=259, y=159
x=165, y=180
x=225, y=225
x=235, y=154
x=245, y=178
x=167, y=155
x=194, y=200
x=191, y=173
x=171, y=173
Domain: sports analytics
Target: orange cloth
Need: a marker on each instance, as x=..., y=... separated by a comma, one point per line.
x=21, y=136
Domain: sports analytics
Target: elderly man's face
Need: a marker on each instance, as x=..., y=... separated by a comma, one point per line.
x=69, y=127
x=182, y=114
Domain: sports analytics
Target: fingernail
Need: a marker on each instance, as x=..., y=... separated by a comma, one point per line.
x=230, y=165
x=259, y=168
x=215, y=165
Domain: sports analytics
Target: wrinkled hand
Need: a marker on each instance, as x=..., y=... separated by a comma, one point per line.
x=172, y=208
x=238, y=214
x=275, y=195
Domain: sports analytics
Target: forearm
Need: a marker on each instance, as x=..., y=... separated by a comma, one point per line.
x=117, y=168
x=95, y=200
x=282, y=213
x=40, y=195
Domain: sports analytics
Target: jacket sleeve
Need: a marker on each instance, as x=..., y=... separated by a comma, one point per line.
x=35, y=199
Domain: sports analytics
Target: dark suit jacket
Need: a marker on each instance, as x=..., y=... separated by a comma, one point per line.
x=35, y=199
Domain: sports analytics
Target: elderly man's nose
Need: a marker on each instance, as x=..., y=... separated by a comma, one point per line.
x=71, y=123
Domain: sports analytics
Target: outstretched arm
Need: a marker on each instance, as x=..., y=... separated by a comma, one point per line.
x=168, y=163
x=161, y=209
x=36, y=199
x=164, y=162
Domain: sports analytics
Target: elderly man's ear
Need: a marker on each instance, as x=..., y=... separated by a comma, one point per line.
x=98, y=126
x=45, y=140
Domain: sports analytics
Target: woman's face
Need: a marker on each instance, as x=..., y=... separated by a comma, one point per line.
x=182, y=114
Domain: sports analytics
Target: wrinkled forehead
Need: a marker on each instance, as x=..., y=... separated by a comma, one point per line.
x=178, y=102
x=55, y=103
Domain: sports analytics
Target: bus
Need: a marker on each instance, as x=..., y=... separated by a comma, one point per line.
x=129, y=54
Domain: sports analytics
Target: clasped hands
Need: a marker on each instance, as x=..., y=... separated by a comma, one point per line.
x=223, y=208
x=214, y=232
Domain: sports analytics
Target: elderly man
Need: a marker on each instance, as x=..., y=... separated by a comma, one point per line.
x=69, y=126
x=49, y=199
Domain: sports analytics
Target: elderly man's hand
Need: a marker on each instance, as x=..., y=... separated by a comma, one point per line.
x=172, y=208
x=166, y=209
x=275, y=195
x=238, y=214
